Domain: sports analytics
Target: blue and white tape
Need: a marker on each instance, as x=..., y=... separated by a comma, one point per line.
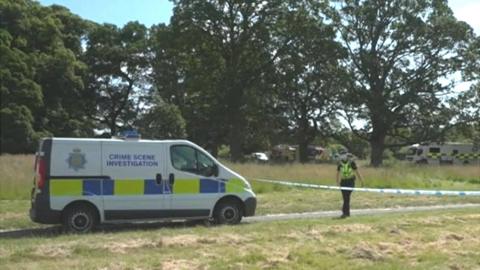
x=378, y=190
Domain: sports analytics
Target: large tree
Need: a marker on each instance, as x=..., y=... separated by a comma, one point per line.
x=117, y=63
x=399, y=53
x=187, y=80
x=466, y=105
x=230, y=49
x=40, y=74
x=309, y=73
x=161, y=121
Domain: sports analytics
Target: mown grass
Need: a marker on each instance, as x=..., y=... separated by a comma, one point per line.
x=446, y=239
x=428, y=240
x=14, y=213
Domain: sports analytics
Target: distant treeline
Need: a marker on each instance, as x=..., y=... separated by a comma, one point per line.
x=247, y=74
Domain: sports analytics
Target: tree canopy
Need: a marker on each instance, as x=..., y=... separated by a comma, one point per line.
x=245, y=74
x=399, y=53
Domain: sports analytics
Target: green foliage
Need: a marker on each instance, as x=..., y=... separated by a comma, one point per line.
x=398, y=52
x=222, y=58
x=162, y=121
x=224, y=151
x=17, y=131
x=308, y=73
x=41, y=83
x=244, y=74
x=354, y=144
x=116, y=62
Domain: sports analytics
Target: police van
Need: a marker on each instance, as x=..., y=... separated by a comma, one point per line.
x=443, y=153
x=83, y=182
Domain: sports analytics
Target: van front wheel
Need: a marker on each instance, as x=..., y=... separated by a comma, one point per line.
x=79, y=219
x=228, y=212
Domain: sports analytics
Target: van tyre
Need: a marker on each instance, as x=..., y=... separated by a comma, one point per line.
x=79, y=219
x=228, y=212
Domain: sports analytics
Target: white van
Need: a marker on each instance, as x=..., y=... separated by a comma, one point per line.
x=444, y=153
x=83, y=182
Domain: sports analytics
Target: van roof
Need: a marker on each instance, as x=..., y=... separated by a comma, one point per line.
x=116, y=140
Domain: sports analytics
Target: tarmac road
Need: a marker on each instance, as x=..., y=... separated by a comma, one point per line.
x=357, y=212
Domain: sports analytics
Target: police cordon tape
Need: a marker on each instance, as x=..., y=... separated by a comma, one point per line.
x=377, y=190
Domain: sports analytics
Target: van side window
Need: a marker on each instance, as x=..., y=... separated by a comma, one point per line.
x=188, y=159
x=184, y=158
x=205, y=164
x=434, y=150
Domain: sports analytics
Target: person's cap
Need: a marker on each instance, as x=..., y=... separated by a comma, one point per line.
x=343, y=156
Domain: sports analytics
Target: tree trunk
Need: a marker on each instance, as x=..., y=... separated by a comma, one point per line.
x=236, y=121
x=113, y=128
x=305, y=135
x=235, y=142
x=303, y=151
x=379, y=127
x=378, y=146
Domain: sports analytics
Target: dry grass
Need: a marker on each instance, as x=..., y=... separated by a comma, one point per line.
x=16, y=176
x=400, y=175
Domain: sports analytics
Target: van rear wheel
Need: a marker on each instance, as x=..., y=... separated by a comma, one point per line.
x=79, y=219
x=228, y=212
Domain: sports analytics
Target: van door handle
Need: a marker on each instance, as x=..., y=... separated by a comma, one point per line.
x=158, y=178
x=171, y=180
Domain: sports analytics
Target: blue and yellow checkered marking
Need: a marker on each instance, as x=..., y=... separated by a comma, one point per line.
x=210, y=186
x=462, y=156
x=132, y=187
x=152, y=188
x=107, y=187
x=92, y=187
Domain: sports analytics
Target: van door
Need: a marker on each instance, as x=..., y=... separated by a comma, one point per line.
x=193, y=185
x=75, y=172
x=136, y=188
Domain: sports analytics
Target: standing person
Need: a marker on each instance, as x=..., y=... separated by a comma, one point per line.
x=346, y=171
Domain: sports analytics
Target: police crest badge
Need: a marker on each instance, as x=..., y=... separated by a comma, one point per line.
x=76, y=160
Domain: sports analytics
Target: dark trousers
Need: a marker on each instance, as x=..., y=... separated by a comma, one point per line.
x=346, y=195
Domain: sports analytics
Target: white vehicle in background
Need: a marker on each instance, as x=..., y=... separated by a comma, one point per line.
x=443, y=153
x=260, y=157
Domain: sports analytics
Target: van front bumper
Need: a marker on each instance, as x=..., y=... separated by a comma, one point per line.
x=250, y=206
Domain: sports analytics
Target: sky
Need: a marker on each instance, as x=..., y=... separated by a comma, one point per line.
x=119, y=12
x=149, y=12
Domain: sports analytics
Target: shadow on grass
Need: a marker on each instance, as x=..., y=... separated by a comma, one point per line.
x=55, y=231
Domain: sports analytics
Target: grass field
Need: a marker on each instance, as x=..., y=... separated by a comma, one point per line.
x=428, y=240
x=434, y=240
x=16, y=180
x=16, y=176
